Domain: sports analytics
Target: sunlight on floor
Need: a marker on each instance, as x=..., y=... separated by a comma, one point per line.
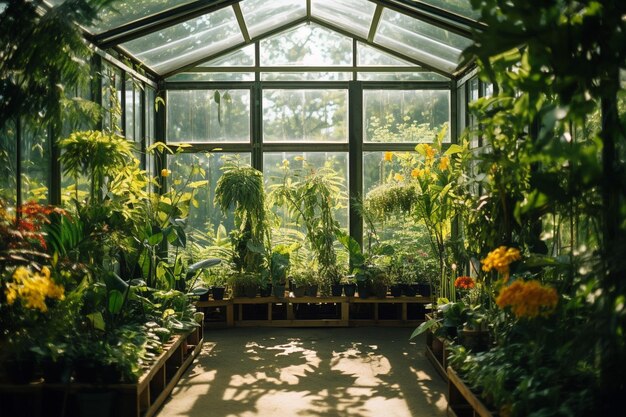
x=308, y=376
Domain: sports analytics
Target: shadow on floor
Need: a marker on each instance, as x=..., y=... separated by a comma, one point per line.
x=309, y=373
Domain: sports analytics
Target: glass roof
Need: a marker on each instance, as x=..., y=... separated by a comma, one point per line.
x=355, y=16
x=262, y=16
x=306, y=45
x=181, y=34
x=185, y=42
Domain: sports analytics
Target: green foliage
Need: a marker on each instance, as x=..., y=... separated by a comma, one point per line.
x=37, y=68
x=311, y=195
x=241, y=187
x=98, y=155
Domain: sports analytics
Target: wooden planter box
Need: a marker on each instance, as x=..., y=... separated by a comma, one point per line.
x=142, y=399
x=462, y=402
x=437, y=352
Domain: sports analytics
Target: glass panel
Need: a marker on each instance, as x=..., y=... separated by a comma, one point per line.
x=305, y=115
x=279, y=166
x=35, y=163
x=401, y=76
x=111, y=98
x=460, y=7
x=196, y=116
x=204, y=219
x=352, y=15
x=212, y=76
x=369, y=56
x=186, y=42
x=133, y=111
x=243, y=57
x=307, y=45
x=420, y=40
x=149, y=128
x=473, y=121
x=408, y=238
x=8, y=164
x=262, y=16
x=306, y=76
x=123, y=12
x=405, y=115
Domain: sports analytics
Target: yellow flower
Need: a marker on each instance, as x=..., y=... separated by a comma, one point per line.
x=416, y=173
x=398, y=177
x=299, y=158
x=430, y=152
x=444, y=162
x=388, y=156
x=32, y=289
x=165, y=172
x=500, y=259
x=285, y=163
x=528, y=299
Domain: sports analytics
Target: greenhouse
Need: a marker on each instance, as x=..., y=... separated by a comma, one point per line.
x=312, y=207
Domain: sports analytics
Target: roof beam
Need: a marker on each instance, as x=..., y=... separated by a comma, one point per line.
x=436, y=16
x=375, y=20
x=158, y=21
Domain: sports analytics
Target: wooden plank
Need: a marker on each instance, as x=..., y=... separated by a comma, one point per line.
x=436, y=364
x=230, y=315
x=293, y=323
x=156, y=404
x=455, y=382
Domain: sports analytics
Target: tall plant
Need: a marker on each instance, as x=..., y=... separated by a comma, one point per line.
x=241, y=188
x=311, y=196
x=427, y=189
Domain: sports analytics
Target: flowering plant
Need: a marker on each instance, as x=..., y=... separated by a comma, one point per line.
x=426, y=187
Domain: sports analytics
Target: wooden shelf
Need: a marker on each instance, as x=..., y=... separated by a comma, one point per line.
x=333, y=311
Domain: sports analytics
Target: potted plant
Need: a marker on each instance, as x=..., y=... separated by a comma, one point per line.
x=241, y=188
x=311, y=195
x=245, y=284
x=216, y=279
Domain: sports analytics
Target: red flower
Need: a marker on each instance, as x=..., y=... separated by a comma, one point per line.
x=464, y=283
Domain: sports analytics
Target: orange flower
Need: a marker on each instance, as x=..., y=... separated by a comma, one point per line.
x=165, y=172
x=388, y=156
x=528, y=299
x=464, y=283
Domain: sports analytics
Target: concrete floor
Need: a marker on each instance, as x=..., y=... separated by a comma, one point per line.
x=317, y=372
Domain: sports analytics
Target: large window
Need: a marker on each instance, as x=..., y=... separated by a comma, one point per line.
x=321, y=103
x=208, y=116
x=305, y=115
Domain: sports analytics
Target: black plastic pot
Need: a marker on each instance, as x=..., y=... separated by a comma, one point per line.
x=396, y=290
x=336, y=290
x=298, y=291
x=410, y=290
x=279, y=290
x=250, y=291
x=423, y=290
x=349, y=290
x=265, y=291
x=311, y=290
x=364, y=289
x=218, y=293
